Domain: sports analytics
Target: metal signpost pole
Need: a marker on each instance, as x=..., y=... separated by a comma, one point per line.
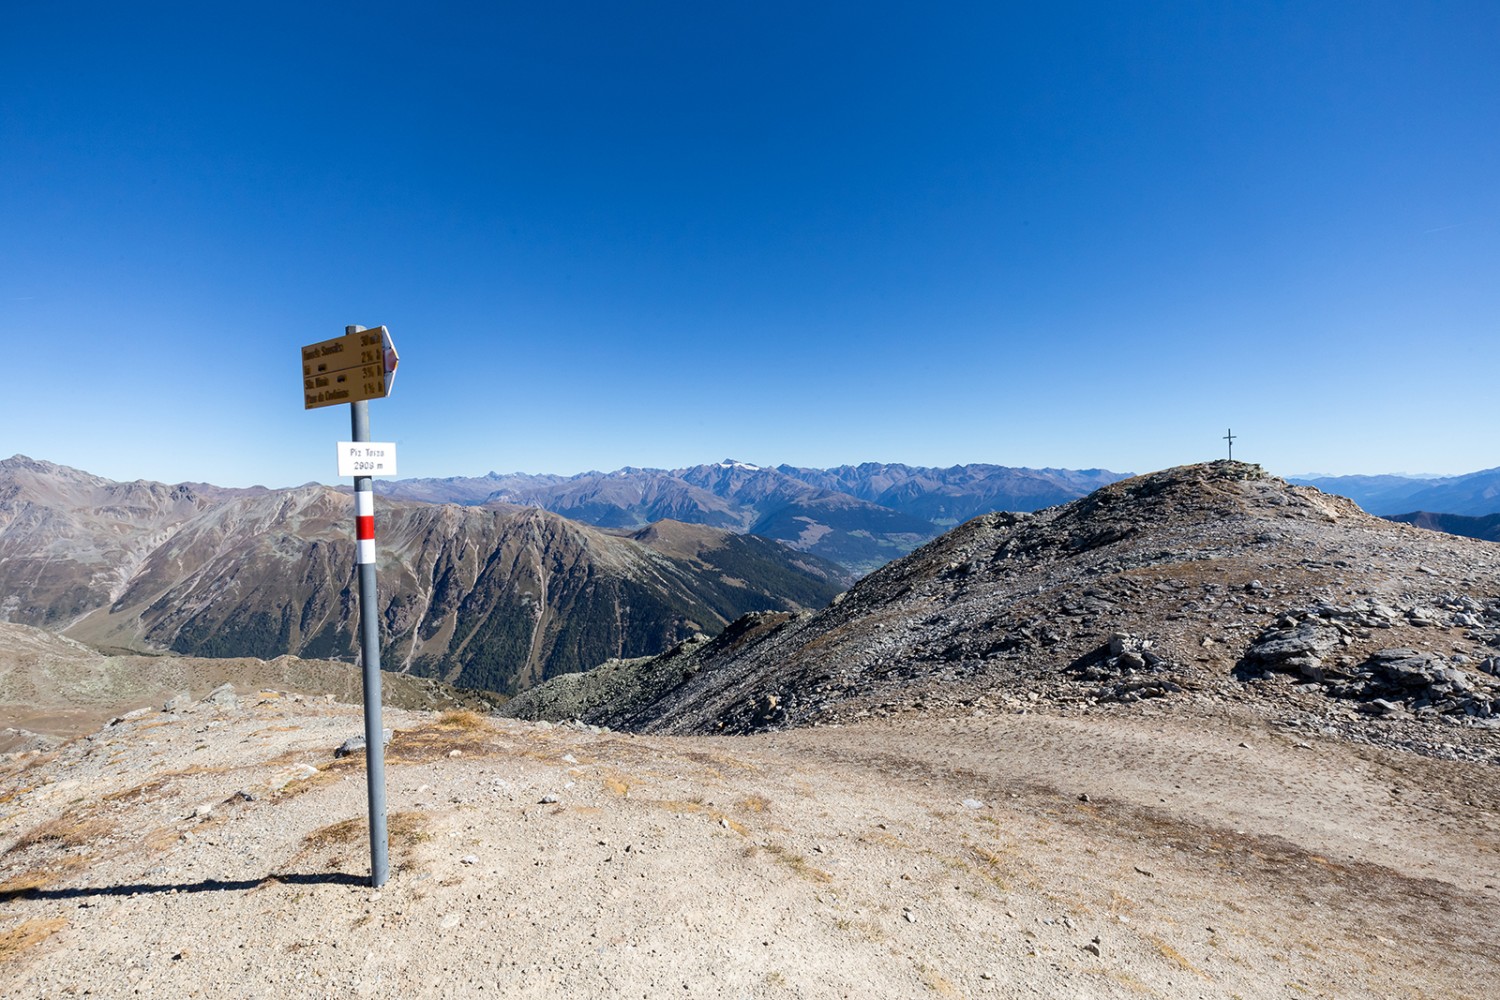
x=369, y=621
x=354, y=369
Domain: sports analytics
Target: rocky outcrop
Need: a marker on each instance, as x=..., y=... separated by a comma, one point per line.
x=1128, y=669
x=1317, y=644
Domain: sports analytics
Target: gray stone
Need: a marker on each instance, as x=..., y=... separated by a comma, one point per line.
x=1123, y=642
x=1456, y=677
x=223, y=696
x=297, y=772
x=1306, y=640
x=1307, y=665
x=356, y=744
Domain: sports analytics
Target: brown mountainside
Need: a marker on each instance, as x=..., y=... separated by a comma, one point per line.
x=495, y=597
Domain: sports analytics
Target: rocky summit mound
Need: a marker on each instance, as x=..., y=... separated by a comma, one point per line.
x=1207, y=582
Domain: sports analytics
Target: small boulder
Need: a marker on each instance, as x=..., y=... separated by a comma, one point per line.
x=223, y=696
x=356, y=744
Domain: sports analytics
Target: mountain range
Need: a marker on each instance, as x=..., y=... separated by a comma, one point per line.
x=1485, y=528
x=1473, y=495
x=496, y=582
x=496, y=597
x=859, y=516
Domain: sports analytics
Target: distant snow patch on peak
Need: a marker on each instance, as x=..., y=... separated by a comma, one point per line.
x=730, y=463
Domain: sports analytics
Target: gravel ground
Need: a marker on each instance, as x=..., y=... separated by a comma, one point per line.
x=220, y=851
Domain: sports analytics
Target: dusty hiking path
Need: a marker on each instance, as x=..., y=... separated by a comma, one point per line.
x=1120, y=854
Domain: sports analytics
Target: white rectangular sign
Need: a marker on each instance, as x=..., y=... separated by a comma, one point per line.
x=367, y=458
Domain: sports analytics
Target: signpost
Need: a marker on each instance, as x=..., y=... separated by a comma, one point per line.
x=348, y=369
x=354, y=369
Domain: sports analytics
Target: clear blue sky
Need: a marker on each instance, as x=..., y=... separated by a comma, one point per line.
x=606, y=234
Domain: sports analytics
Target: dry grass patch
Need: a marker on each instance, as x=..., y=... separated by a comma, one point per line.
x=27, y=934
x=796, y=862
x=336, y=834
x=1131, y=983
x=295, y=756
x=678, y=805
x=993, y=868
x=65, y=831
x=408, y=828
x=162, y=839
x=464, y=719
x=405, y=828
x=434, y=742
x=730, y=823
x=159, y=782
x=935, y=982
x=884, y=838
x=331, y=771
x=713, y=760
x=23, y=765
x=135, y=791
x=15, y=792
x=1175, y=956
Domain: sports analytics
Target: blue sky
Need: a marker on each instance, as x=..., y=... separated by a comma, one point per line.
x=604, y=234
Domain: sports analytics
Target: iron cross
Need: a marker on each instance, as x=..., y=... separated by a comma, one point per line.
x=1229, y=436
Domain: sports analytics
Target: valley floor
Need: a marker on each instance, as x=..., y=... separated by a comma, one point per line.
x=220, y=852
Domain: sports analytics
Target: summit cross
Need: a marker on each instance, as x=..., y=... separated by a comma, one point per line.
x=1229, y=436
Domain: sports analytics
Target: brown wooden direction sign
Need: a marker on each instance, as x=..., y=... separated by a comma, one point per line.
x=348, y=369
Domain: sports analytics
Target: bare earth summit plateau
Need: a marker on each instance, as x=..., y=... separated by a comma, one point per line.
x=1294, y=810
x=1126, y=853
